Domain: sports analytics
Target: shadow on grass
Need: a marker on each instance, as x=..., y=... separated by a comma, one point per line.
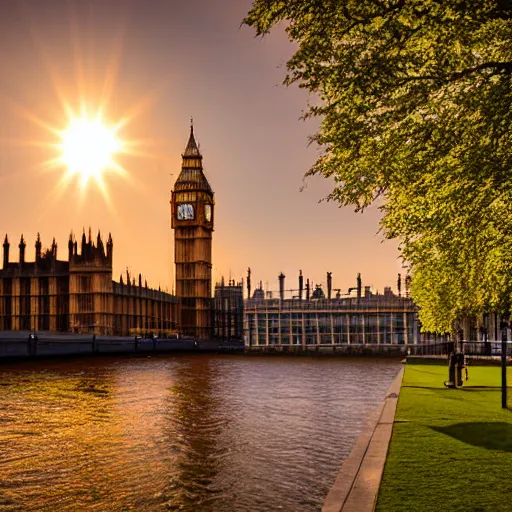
x=489, y=435
x=438, y=388
x=481, y=388
x=444, y=389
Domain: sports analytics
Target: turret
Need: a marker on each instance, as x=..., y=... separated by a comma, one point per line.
x=307, y=289
x=99, y=244
x=70, y=246
x=84, y=243
x=329, y=285
x=301, y=284
x=249, y=283
x=358, y=286
x=22, y=246
x=54, y=249
x=38, y=248
x=6, y=252
x=399, y=285
x=89, y=246
x=110, y=247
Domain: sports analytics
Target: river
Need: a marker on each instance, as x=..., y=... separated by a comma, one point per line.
x=195, y=432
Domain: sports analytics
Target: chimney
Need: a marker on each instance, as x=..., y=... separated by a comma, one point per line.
x=249, y=283
x=399, y=285
x=301, y=284
x=281, y=286
x=358, y=285
x=307, y=289
x=329, y=285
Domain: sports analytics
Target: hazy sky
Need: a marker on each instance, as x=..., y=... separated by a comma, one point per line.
x=159, y=62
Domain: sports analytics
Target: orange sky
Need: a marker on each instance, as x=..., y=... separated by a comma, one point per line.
x=159, y=62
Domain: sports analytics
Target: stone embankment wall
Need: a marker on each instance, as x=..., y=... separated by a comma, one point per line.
x=330, y=350
x=23, y=345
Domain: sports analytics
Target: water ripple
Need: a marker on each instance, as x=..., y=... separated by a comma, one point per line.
x=187, y=433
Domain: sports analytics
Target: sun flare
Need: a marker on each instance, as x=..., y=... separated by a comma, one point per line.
x=88, y=147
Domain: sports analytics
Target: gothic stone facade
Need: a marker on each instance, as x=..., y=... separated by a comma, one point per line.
x=79, y=295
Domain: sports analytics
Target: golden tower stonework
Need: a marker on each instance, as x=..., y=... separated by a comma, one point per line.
x=192, y=214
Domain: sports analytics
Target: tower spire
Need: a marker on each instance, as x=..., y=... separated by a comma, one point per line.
x=192, y=149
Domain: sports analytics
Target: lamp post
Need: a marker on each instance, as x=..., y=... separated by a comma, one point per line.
x=504, y=335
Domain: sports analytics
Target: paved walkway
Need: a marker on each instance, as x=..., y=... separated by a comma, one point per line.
x=357, y=484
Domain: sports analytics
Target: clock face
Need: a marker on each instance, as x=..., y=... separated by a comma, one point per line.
x=185, y=212
x=208, y=212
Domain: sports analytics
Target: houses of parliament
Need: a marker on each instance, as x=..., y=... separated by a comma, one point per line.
x=80, y=295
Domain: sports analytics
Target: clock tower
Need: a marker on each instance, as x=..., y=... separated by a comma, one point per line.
x=192, y=215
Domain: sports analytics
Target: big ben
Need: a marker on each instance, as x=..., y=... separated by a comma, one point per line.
x=192, y=213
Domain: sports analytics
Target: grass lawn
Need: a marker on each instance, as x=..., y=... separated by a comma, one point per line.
x=451, y=449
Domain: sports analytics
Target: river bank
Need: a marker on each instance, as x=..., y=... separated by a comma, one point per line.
x=451, y=449
x=27, y=345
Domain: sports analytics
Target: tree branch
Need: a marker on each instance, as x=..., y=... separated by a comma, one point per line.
x=497, y=66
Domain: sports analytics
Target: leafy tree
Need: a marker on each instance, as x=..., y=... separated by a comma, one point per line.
x=416, y=109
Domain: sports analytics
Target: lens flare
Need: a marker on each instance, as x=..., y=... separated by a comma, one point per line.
x=88, y=147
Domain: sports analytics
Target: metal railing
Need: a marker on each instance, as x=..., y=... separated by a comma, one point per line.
x=469, y=348
x=432, y=349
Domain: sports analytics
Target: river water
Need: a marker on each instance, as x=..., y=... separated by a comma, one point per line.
x=188, y=432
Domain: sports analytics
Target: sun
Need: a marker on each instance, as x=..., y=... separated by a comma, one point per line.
x=88, y=147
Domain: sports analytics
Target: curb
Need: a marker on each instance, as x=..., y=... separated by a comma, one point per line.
x=357, y=485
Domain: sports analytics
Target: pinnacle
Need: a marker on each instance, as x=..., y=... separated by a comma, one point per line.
x=192, y=149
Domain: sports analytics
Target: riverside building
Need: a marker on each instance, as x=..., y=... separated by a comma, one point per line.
x=317, y=320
